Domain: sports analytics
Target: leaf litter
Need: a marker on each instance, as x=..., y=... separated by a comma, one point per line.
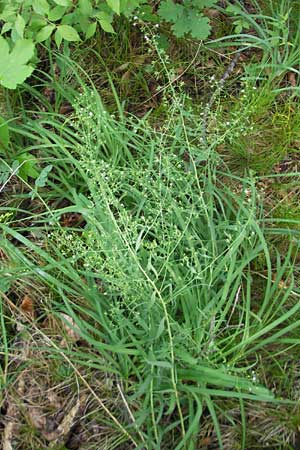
x=44, y=404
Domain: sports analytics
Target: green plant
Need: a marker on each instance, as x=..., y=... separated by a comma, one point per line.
x=38, y=19
x=168, y=305
x=29, y=22
x=23, y=163
x=275, y=32
x=187, y=18
x=15, y=68
x=26, y=23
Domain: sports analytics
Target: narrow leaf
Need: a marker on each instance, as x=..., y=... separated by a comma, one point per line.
x=4, y=134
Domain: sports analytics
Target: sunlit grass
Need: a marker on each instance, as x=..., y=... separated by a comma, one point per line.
x=159, y=278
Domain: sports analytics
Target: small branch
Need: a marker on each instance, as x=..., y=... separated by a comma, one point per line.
x=220, y=86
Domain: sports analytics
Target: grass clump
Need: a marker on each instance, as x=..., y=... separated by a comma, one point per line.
x=156, y=272
x=260, y=129
x=149, y=263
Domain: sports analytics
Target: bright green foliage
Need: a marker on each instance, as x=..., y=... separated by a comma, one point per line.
x=240, y=23
x=168, y=255
x=187, y=18
x=27, y=166
x=14, y=68
x=28, y=22
x=42, y=178
x=38, y=19
x=65, y=20
x=4, y=134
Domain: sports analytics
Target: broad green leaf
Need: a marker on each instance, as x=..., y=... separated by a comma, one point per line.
x=91, y=30
x=145, y=11
x=186, y=20
x=83, y=23
x=85, y=7
x=44, y=33
x=68, y=33
x=114, y=5
x=234, y=9
x=106, y=26
x=28, y=164
x=70, y=18
x=4, y=134
x=201, y=4
x=58, y=38
x=14, y=35
x=4, y=175
x=199, y=27
x=181, y=26
x=102, y=15
x=20, y=25
x=37, y=22
x=9, y=13
x=56, y=13
x=163, y=42
x=128, y=6
x=63, y=2
x=6, y=27
x=195, y=24
x=23, y=51
x=170, y=11
x=40, y=7
x=14, y=68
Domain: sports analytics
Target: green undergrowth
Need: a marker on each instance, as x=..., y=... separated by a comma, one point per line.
x=262, y=128
x=155, y=209
x=160, y=273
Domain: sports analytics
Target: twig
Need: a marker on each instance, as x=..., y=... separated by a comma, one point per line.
x=220, y=86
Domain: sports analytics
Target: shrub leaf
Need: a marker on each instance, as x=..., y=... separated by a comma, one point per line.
x=14, y=68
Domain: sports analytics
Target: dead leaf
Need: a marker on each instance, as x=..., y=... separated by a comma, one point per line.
x=59, y=435
x=66, y=108
x=27, y=306
x=7, y=436
x=71, y=329
x=11, y=425
x=205, y=441
x=36, y=418
x=179, y=70
x=54, y=399
x=71, y=220
x=139, y=59
x=122, y=67
x=126, y=76
x=212, y=13
x=50, y=94
x=292, y=79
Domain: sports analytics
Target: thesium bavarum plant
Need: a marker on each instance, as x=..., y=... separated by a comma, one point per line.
x=158, y=278
x=149, y=225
